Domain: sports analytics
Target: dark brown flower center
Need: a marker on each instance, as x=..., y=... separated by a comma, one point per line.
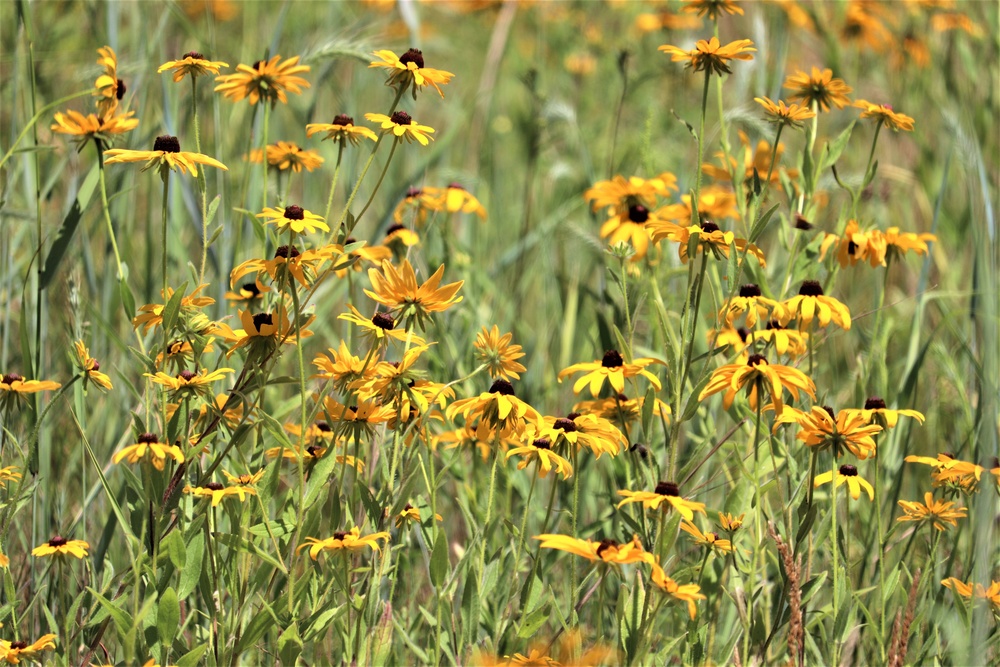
x=743, y=333
x=641, y=450
x=874, y=403
x=120, y=90
x=214, y=486
x=252, y=288
x=456, y=186
x=187, y=376
x=393, y=229
x=756, y=359
x=415, y=56
x=401, y=118
x=503, y=387
x=167, y=144
x=606, y=544
x=383, y=321
x=774, y=325
x=262, y=319
x=343, y=119
x=542, y=443
x=96, y=365
x=58, y=541
x=667, y=489
x=612, y=359
x=750, y=290
x=413, y=192
x=565, y=425
x=287, y=251
x=323, y=426
x=148, y=438
x=709, y=226
x=340, y=535
x=10, y=378
x=847, y=470
x=194, y=55
x=802, y=223
x=638, y=213
x=572, y=416
x=313, y=451
x=19, y=645
x=830, y=411
x=294, y=212
x=811, y=288
x=257, y=64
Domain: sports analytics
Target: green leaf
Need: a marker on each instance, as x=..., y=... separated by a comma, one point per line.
x=173, y=309
x=289, y=645
x=470, y=608
x=128, y=300
x=123, y=621
x=193, y=657
x=832, y=150
x=168, y=614
x=69, y=225
x=193, y=559
x=173, y=544
x=439, y=560
x=212, y=208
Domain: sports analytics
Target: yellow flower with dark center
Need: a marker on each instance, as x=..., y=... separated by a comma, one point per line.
x=409, y=68
x=939, y=513
x=381, y=327
x=341, y=130
x=855, y=246
x=287, y=155
x=711, y=56
x=754, y=159
x=847, y=474
x=149, y=446
x=709, y=238
x=399, y=238
x=619, y=194
x=410, y=514
x=396, y=288
x=9, y=473
x=613, y=368
x=421, y=201
x=498, y=354
x=395, y=384
x=758, y=376
x=811, y=304
x=181, y=352
x=151, y=314
x=608, y=551
x=710, y=541
x=689, y=593
x=823, y=428
x=248, y=292
x=358, y=421
x=343, y=368
x=60, y=546
x=90, y=366
x=899, y=243
x=633, y=226
x=951, y=472
x=99, y=128
x=165, y=156
x=343, y=540
x=262, y=331
x=792, y=115
x=595, y=433
x=665, y=492
x=540, y=449
x=295, y=218
x=401, y=126
x=620, y=409
x=12, y=653
x=191, y=64
x=739, y=340
x=288, y=261
x=240, y=487
x=189, y=382
x=496, y=411
x=876, y=411
x=109, y=89
x=712, y=8
x=268, y=80
x=729, y=523
x=749, y=300
x=818, y=88
x=883, y=113
x=14, y=388
x=454, y=199
x=785, y=341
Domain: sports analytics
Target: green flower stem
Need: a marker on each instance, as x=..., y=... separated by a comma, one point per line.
x=202, y=185
x=165, y=175
x=333, y=184
x=263, y=193
x=877, y=353
x=701, y=148
x=107, y=209
x=494, y=450
x=758, y=532
x=856, y=193
x=575, y=572
x=517, y=552
x=835, y=641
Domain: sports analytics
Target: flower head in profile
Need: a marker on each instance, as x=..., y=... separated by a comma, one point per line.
x=188, y=383
x=240, y=486
x=380, y=327
x=294, y=218
x=14, y=389
x=706, y=237
x=7, y=474
x=966, y=590
x=819, y=89
x=409, y=68
x=875, y=411
x=712, y=8
x=499, y=355
x=286, y=155
x=757, y=376
x=99, y=128
x=151, y=314
x=268, y=80
x=192, y=64
x=778, y=112
x=341, y=130
x=711, y=56
x=540, y=450
x=883, y=113
x=711, y=541
x=166, y=156
x=60, y=546
x=607, y=551
x=90, y=367
x=401, y=126
x=149, y=447
x=939, y=513
x=351, y=540
x=396, y=288
x=496, y=411
x=12, y=653
x=785, y=341
x=846, y=474
x=665, y=492
x=855, y=246
x=263, y=331
x=749, y=300
x=454, y=199
x=824, y=428
x=689, y=593
x=812, y=304
x=108, y=88
x=611, y=368
x=950, y=472
x=729, y=523
x=288, y=262
x=898, y=243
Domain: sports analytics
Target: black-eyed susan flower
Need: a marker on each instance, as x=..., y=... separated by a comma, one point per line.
x=288, y=262
x=688, y=593
x=409, y=68
x=712, y=8
x=149, y=447
x=710, y=541
x=248, y=292
x=8, y=474
x=12, y=653
x=608, y=551
x=357, y=421
x=540, y=450
x=189, y=383
x=595, y=433
x=191, y=64
x=939, y=513
x=396, y=288
x=785, y=341
x=240, y=486
x=99, y=128
x=14, y=389
x=294, y=218
x=951, y=472
x=262, y=331
x=967, y=590
x=755, y=159
x=613, y=368
x=665, y=492
x=876, y=411
x=846, y=474
x=381, y=327
x=710, y=238
x=456, y=199
x=824, y=428
x=715, y=202
x=811, y=304
x=401, y=126
x=819, y=88
x=729, y=523
x=108, y=88
x=757, y=376
x=165, y=156
x=343, y=368
x=633, y=226
x=749, y=300
x=417, y=204
x=619, y=194
x=778, y=112
x=351, y=540
x=91, y=367
x=59, y=546
x=287, y=155
x=899, y=243
x=341, y=130
x=883, y=113
x=496, y=411
x=499, y=354
x=399, y=238
x=268, y=80
x=738, y=339
x=410, y=514
x=621, y=409
x=855, y=245
x=711, y=56
x=151, y=315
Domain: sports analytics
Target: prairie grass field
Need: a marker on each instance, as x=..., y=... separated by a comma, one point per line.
x=502, y=332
